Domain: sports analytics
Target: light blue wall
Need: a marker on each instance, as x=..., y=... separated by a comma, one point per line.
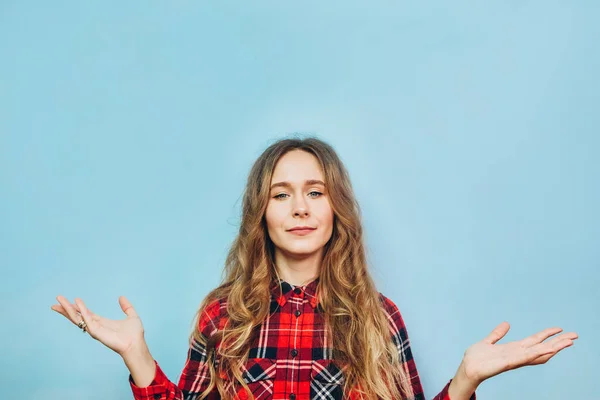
x=470, y=130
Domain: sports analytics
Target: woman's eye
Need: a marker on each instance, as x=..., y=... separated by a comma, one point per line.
x=313, y=194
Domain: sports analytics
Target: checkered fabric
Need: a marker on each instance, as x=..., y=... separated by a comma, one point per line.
x=290, y=357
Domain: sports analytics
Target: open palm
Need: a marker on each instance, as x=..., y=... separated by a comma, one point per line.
x=486, y=358
x=118, y=335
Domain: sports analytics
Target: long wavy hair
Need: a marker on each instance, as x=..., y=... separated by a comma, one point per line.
x=354, y=317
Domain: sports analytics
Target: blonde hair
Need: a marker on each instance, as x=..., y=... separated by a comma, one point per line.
x=354, y=316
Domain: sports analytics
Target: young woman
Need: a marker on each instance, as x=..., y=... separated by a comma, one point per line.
x=298, y=315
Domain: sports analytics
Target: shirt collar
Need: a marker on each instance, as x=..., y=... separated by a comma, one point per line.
x=282, y=291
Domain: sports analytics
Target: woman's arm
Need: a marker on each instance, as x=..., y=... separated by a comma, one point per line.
x=456, y=389
x=461, y=387
x=141, y=365
x=149, y=382
x=486, y=358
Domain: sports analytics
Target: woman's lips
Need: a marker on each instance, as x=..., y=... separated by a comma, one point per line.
x=301, y=232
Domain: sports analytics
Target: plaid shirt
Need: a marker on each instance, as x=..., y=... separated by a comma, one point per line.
x=290, y=358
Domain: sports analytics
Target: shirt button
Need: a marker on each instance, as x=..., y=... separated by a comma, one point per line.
x=297, y=290
x=157, y=396
x=292, y=396
x=297, y=313
x=294, y=352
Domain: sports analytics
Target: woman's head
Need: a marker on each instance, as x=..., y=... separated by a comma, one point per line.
x=298, y=198
x=298, y=182
x=277, y=198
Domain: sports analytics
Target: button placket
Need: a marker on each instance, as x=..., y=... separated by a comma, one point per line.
x=298, y=292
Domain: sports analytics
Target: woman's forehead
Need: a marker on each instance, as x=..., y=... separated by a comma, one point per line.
x=297, y=167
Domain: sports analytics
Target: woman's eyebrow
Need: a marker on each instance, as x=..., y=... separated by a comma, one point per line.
x=308, y=182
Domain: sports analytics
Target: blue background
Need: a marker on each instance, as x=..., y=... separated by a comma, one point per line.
x=470, y=130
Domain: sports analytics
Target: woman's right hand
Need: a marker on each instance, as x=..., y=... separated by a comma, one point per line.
x=121, y=336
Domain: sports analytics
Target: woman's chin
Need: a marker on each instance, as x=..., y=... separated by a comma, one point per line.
x=301, y=251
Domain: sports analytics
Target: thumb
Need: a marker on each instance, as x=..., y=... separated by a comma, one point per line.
x=498, y=333
x=127, y=307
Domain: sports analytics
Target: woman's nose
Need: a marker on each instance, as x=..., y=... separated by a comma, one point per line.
x=301, y=211
x=300, y=208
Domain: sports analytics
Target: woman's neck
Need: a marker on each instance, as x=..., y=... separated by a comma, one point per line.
x=298, y=271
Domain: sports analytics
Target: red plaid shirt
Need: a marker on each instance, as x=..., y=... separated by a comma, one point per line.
x=290, y=359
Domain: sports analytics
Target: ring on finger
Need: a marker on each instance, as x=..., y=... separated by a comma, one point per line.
x=82, y=324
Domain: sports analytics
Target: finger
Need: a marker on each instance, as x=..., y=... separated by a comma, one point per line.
x=541, y=336
x=542, y=359
x=75, y=306
x=565, y=336
x=82, y=308
x=127, y=307
x=70, y=311
x=105, y=322
x=563, y=344
x=559, y=343
x=555, y=349
x=550, y=347
x=498, y=333
x=85, y=314
x=59, y=309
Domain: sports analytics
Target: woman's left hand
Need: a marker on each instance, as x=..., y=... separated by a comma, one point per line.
x=486, y=358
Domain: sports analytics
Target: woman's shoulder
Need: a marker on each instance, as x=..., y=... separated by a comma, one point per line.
x=387, y=302
x=393, y=312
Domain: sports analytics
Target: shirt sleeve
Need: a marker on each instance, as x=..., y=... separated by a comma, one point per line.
x=195, y=376
x=400, y=339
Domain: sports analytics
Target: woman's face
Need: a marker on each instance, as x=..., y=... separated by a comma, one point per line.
x=298, y=197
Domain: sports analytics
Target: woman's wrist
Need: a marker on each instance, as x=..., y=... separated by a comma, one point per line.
x=461, y=387
x=141, y=365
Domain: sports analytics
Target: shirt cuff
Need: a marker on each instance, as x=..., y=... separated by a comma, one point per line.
x=157, y=389
x=445, y=396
